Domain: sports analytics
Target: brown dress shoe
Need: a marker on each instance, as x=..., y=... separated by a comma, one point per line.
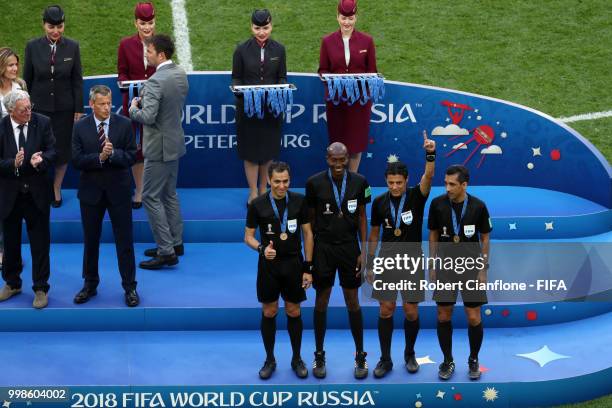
x=7, y=292
x=41, y=300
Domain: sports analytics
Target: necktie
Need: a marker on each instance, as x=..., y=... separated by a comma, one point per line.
x=22, y=139
x=52, y=59
x=101, y=135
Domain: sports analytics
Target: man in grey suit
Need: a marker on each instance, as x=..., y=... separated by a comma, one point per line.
x=159, y=110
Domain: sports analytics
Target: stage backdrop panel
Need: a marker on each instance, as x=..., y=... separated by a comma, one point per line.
x=502, y=143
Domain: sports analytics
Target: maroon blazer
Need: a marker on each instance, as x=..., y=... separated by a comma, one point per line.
x=348, y=124
x=130, y=65
x=363, y=54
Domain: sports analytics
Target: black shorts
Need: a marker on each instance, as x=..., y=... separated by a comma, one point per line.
x=408, y=278
x=280, y=277
x=470, y=297
x=329, y=258
x=412, y=294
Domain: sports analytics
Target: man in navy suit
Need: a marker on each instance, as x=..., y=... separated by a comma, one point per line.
x=27, y=150
x=104, y=149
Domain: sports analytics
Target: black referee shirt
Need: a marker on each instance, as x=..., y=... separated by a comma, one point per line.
x=261, y=214
x=320, y=197
x=475, y=222
x=411, y=216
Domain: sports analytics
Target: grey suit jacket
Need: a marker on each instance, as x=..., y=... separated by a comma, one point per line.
x=163, y=97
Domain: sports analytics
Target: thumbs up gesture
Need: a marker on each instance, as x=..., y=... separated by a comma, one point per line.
x=270, y=252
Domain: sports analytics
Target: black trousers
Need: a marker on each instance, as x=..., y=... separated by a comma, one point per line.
x=92, y=217
x=37, y=224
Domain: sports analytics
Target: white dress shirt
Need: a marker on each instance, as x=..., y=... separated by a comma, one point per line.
x=16, y=132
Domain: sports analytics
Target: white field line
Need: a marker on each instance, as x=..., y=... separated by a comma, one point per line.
x=587, y=116
x=181, y=34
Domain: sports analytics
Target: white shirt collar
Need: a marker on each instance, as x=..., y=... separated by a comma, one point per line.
x=106, y=121
x=164, y=63
x=16, y=125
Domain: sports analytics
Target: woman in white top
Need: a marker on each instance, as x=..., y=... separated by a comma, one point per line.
x=9, y=81
x=9, y=71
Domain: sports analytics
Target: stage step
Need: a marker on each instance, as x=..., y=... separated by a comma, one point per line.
x=565, y=362
x=217, y=215
x=213, y=288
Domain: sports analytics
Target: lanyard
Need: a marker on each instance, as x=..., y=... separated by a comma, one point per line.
x=283, y=221
x=339, y=196
x=394, y=213
x=457, y=225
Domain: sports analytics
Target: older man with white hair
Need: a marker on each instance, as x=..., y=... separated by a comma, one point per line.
x=27, y=150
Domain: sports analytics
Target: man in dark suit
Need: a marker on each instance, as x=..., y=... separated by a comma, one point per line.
x=27, y=150
x=104, y=149
x=160, y=110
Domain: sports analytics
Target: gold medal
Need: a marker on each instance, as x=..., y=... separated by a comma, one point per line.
x=456, y=239
x=397, y=232
x=283, y=236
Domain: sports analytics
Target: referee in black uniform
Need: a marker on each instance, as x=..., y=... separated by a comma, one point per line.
x=336, y=200
x=459, y=227
x=399, y=213
x=281, y=270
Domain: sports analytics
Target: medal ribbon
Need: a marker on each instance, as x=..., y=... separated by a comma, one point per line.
x=339, y=197
x=457, y=225
x=396, y=213
x=283, y=221
x=133, y=90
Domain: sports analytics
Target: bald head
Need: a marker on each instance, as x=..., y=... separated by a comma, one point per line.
x=337, y=149
x=337, y=159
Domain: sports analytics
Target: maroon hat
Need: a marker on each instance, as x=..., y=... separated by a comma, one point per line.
x=144, y=11
x=347, y=7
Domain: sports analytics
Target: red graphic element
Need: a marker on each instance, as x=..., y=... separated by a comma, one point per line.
x=483, y=135
x=483, y=369
x=456, y=116
x=505, y=313
x=555, y=154
x=532, y=315
x=457, y=397
x=372, y=141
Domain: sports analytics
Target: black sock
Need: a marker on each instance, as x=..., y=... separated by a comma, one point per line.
x=356, y=323
x=445, y=338
x=385, y=333
x=294, y=327
x=268, y=334
x=320, y=325
x=475, y=334
x=411, y=330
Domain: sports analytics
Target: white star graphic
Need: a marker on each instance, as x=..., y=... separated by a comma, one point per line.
x=476, y=110
x=543, y=356
x=512, y=226
x=369, y=155
x=503, y=135
x=392, y=158
x=425, y=360
x=440, y=394
x=469, y=117
x=395, y=139
x=490, y=394
x=536, y=151
x=419, y=395
x=497, y=123
x=549, y=226
x=6, y=404
x=28, y=403
x=448, y=119
x=478, y=117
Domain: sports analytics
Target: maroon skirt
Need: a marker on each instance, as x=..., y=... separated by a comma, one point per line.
x=349, y=125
